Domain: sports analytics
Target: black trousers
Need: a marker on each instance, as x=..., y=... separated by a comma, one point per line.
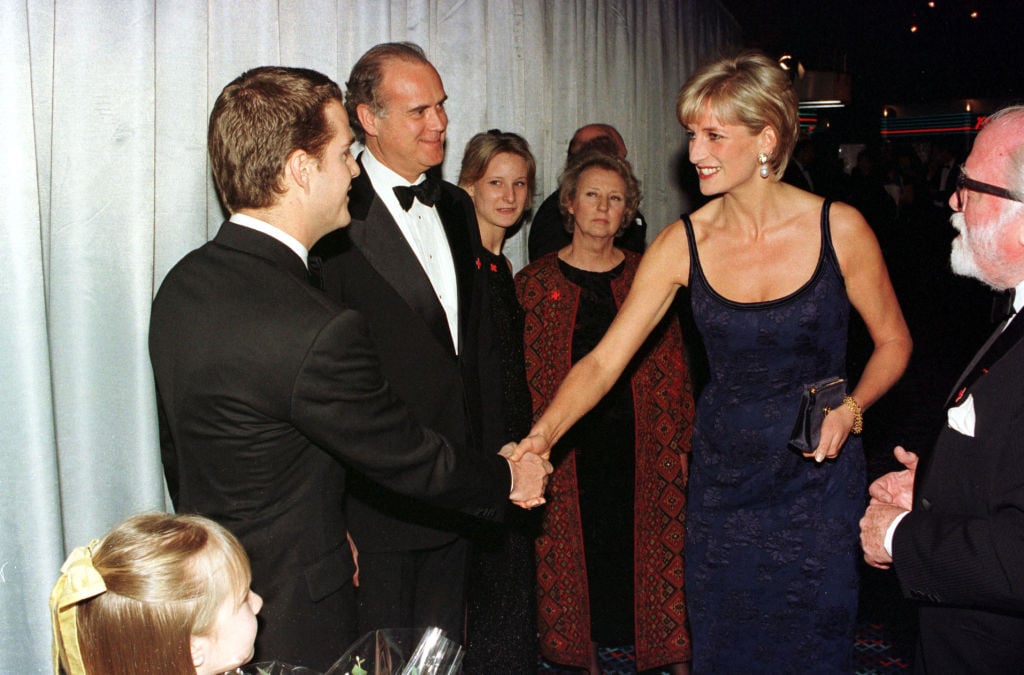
x=414, y=589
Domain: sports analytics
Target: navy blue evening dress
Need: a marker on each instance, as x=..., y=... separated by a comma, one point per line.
x=772, y=538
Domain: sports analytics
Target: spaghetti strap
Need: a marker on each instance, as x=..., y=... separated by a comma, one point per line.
x=828, y=251
x=696, y=273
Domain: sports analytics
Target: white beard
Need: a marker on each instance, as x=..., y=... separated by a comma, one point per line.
x=961, y=259
x=971, y=247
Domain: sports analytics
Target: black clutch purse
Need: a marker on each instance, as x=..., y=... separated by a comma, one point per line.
x=818, y=399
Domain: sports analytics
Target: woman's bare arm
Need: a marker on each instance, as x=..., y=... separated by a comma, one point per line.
x=871, y=294
x=663, y=269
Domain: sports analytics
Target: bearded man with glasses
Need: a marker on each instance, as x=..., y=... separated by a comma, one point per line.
x=951, y=524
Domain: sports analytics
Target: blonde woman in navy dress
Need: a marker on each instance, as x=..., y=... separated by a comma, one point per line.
x=773, y=271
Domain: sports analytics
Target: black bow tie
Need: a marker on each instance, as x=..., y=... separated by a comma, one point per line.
x=427, y=192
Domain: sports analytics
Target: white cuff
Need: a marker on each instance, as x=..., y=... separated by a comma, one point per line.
x=512, y=477
x=887, y=543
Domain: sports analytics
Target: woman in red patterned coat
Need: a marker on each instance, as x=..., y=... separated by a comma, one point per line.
x=610, y=558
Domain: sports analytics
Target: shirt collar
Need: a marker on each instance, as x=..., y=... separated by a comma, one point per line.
x=1018, y=298
x=266, y=228
x=383, y=177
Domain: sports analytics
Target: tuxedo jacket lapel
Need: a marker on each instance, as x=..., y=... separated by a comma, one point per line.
x=1000, y=342
x=377, y=236
x=463, y=257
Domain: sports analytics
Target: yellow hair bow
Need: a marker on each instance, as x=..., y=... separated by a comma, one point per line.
x=78, y=581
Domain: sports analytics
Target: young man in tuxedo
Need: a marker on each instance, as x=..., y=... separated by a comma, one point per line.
x=269, y=391
x=952, y=523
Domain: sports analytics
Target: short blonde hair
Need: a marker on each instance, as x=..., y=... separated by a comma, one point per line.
x=166, y=576
x=748, y=89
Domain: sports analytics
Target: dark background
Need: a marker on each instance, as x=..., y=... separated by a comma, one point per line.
x=950, y=58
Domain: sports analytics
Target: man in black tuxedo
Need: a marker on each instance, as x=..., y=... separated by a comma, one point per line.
x=269, y=391
x=408, y=263
x=952, y=523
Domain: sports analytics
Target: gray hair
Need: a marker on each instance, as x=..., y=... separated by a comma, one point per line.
x=1016, y=154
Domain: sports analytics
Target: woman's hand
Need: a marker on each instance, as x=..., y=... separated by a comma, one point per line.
x=834, y=432
x=535, y=443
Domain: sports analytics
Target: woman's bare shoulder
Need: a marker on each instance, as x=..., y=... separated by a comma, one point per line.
x=673, y=236
x=668, y=256
x=846, y=221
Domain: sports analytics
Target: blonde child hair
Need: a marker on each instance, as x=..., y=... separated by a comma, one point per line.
x=131, y=602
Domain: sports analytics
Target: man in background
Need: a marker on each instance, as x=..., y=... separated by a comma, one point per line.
x=798, y=171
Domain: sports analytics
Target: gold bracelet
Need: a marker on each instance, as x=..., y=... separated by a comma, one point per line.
x=858, y=416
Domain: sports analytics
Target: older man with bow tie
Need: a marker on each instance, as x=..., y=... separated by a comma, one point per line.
x=951, y=524
x=408, y=263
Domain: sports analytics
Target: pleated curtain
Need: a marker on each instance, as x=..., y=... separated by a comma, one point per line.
x=105, y=185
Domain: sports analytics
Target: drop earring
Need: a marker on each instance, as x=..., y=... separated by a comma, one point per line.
x=762, y=159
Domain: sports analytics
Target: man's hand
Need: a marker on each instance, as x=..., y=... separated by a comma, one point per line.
x=529, y=476
x=355, y=559
x=536, y=444
x=897, y=487
x=873, y=527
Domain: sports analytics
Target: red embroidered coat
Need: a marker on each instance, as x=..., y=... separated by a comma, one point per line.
x=664, y=410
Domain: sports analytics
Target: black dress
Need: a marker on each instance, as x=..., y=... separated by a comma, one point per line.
x=501, y=613
x=605, y=467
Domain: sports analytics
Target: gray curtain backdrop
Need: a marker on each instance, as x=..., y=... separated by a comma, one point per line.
x=103, y=109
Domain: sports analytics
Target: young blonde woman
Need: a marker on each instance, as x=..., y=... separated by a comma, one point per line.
x=498, y=172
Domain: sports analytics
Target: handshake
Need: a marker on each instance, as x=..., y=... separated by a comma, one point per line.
x=530, y=470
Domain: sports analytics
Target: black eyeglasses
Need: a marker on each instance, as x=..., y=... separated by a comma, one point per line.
x=965, y=183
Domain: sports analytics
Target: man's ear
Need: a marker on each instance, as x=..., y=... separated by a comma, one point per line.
x=367, y=120
x=298, y=167
x=199, y=646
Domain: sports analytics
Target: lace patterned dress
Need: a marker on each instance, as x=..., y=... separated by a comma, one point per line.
x=772, y=538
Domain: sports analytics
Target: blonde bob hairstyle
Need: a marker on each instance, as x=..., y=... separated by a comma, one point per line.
x=597, y=158
x=748, y=89
x=166, y=576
